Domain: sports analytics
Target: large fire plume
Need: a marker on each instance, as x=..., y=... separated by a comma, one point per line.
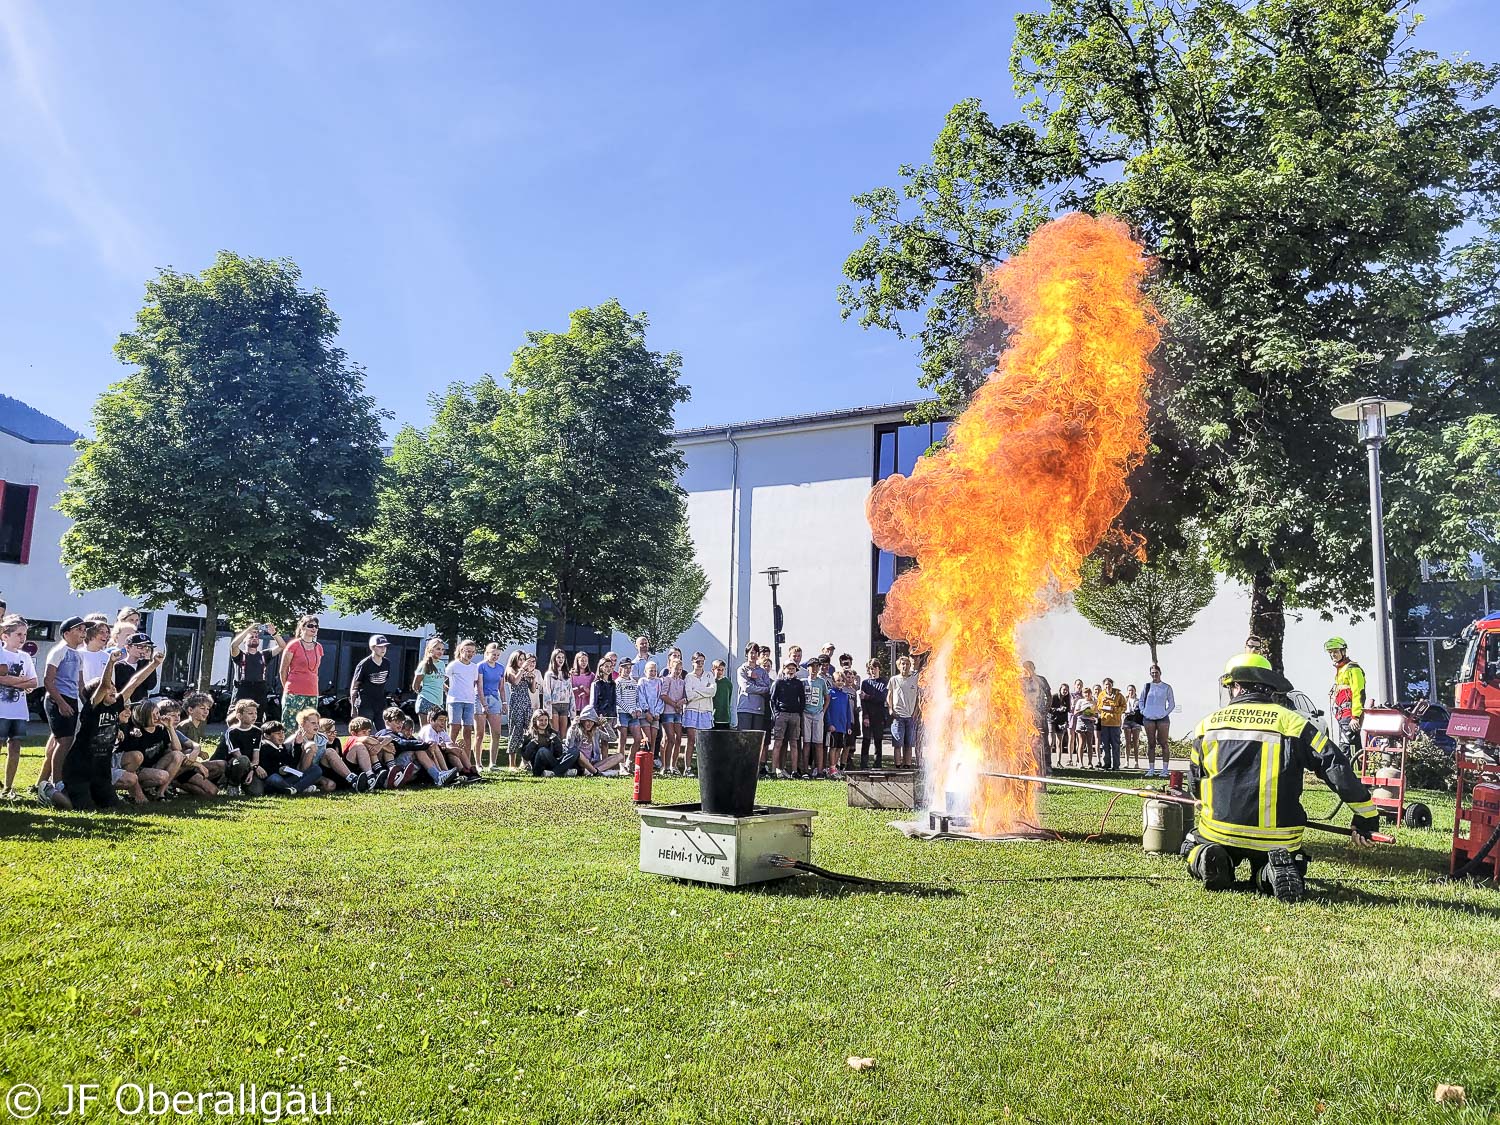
x=1001, y=517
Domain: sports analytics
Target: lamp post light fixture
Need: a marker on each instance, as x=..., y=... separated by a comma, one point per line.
x=773, y=576
x=1371, y=413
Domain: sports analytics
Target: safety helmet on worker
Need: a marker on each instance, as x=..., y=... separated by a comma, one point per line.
x=1253, y=669
x=1335, y=644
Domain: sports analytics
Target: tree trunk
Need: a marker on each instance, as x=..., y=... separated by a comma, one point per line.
x=1153, y=653
x=1268, y=617
x=559, y=627
x=209, y=640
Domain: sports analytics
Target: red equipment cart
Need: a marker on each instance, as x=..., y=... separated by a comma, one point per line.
x=1476, y=813
x=1382, y=762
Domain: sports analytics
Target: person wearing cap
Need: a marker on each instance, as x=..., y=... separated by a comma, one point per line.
x=368, y=684
x=61, y=708
x=139, y=652
x=1246, y=769
x=586, y=739
x=1346, y=698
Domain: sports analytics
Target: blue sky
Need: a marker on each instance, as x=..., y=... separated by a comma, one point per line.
x=454, y=174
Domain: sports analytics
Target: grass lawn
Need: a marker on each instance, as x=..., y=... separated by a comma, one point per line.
x=493, y=954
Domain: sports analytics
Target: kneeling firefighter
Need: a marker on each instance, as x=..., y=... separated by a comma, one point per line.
x=1247, y=763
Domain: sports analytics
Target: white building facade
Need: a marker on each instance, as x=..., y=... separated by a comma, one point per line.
x=35, y=454
x=790, y=493
x=787, y=493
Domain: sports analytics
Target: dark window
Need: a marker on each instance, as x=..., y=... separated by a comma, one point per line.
x=911, y=443
x=885, y=571
x=886, y=456
x=17, y=507
x=898, y=447
x=576, y=639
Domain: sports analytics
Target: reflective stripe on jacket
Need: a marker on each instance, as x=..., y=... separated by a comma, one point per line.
x=1247, y=763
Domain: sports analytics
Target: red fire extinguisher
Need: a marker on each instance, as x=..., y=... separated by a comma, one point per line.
x=643, y=763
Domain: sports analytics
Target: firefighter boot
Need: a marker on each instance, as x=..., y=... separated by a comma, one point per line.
x=1213, y=865
x=1282, y=876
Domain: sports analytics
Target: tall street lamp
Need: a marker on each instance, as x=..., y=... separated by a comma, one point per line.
x=1371, y=413
x=773, y=576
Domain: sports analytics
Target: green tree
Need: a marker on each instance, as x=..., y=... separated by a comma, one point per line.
x=423, y=561
x=667, y=603
x=582, y=470
x=1321, y=197
x=1155, y=604
x=232, y=469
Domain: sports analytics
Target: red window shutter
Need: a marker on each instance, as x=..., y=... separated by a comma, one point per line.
x=26, y=527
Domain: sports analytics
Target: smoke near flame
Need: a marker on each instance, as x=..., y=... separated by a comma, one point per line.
x=1028, y=483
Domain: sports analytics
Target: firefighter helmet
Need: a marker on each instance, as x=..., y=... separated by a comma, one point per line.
x=1253, y=668
x=1333, y=644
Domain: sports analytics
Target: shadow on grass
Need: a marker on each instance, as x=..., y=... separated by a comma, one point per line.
x=1336, y=890
x=816, y=886
x=25, y=822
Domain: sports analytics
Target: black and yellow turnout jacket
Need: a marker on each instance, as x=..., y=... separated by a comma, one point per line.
x=1247, y=763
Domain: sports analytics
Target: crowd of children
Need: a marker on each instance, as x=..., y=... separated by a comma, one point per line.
x=1100, y=719
x=111, y=739
x=108, y=734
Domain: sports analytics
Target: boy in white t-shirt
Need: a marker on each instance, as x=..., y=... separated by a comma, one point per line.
x=17, y=677
x=462, y=675
x=445, y=750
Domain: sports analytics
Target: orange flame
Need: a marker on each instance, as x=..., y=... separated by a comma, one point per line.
x=1028, y=483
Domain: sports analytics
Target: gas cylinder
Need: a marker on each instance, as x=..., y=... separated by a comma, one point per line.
x=643, y=764
x=1162, y=828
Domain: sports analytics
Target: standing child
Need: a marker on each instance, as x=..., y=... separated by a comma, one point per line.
x=1088, y=721
x=605, y=700
x=723, y=696
x=1109, y=705
x=903, y=701
x=673, y=703
x=698, y=711
x=492, y=706
x=788, y=702
x=1134, y=724
x=628, y=712
x=840, y=721
x=427, y=681
x=872, y=707
x=463, y=693
x=1075, y=735
x=518, y=681
x=557, y=685
x=17, y=677
x=1062, y=714
x=648, y=701
x=815, y=704
x=582, y=680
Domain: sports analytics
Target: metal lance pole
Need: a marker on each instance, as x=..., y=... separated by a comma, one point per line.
x=773, y=577
x=1371, y=414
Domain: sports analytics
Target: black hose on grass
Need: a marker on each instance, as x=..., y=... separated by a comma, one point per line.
x=1477, y=859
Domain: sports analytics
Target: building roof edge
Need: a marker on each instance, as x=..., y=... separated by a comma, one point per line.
x=792, y=421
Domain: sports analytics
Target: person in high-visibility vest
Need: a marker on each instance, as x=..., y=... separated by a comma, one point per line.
x=1346, y=698
x=1246, y=769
